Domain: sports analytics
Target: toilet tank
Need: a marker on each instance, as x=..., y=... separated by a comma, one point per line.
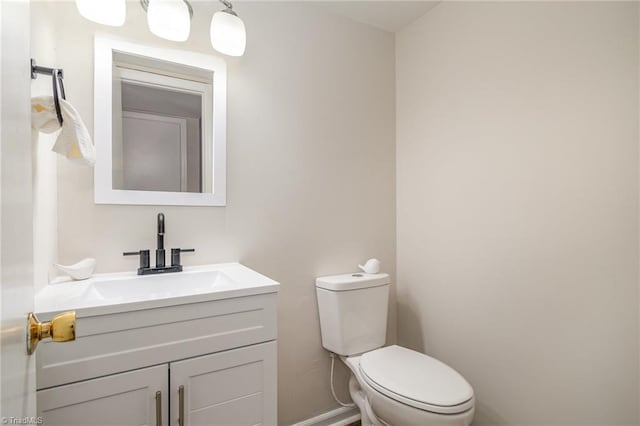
x=353, y=312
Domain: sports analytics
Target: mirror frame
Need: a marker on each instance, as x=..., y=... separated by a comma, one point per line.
x=103, y=122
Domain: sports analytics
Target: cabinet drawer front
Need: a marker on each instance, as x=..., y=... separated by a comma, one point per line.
x=121, y=399
x=232, y=388
x=109, y=344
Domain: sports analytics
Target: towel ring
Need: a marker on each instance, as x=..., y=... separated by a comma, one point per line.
x=58, y=87
x=58, y=92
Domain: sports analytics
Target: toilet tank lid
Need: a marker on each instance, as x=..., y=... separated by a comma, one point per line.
x=353, y=281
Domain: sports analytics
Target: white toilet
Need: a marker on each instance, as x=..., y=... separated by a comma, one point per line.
x=390, y=385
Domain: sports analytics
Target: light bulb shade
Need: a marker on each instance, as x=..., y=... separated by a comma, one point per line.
x=228, y=34
x=106, y=12
x=169, y=19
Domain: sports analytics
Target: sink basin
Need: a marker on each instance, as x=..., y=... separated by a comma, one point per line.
x=111, y=293
x=158, y=286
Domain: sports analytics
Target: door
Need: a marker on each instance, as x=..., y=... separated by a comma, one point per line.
x=17, y=370
x=230, y=388
x=154, y=152
x=138, y=397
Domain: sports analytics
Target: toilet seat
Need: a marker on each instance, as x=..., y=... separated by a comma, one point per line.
x=416, y=379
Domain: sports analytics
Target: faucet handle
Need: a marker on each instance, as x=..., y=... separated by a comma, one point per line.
x=144, y=257
x=175, y=255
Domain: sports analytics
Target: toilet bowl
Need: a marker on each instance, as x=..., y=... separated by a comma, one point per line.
x=391, y=385
x=396, y=386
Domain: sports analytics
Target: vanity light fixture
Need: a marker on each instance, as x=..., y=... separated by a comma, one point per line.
x=111, y=13
x=228, y=34
x=169, y=19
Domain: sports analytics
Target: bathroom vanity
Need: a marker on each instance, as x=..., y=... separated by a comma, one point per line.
x=196, y=347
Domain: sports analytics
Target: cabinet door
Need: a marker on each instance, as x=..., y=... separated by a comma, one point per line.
x=230, y=388
x=121, y=399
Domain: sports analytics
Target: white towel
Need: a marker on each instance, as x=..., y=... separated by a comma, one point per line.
x=74, y=141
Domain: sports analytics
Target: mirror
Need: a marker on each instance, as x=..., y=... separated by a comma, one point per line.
x=160, y=124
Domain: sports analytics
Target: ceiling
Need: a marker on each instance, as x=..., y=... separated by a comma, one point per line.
x=387, y=15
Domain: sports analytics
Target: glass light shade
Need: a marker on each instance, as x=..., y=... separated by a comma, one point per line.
x=106, y=12
x=169, y=19
x=228, y=35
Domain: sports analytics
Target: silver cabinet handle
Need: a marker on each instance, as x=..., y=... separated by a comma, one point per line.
x=158, y=408
x=181, y=405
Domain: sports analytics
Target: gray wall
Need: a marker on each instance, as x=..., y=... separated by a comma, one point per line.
x=311, y=169
x=517, y=189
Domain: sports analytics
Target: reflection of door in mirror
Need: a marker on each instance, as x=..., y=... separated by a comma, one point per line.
x=158, y=142
x=154, y=153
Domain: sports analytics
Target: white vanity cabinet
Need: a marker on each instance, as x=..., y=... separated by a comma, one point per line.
x=135, y=398
x=206, y=363
x=227, y=388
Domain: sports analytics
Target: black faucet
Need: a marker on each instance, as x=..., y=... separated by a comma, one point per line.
x=160, y=257
x=145, y=267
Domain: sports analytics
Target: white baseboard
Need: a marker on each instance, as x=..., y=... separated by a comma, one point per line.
x=341, y=416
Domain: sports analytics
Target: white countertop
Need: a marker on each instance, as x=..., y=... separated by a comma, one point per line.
x=104, y=294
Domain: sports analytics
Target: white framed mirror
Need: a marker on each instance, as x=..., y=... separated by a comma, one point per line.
x=160, y=125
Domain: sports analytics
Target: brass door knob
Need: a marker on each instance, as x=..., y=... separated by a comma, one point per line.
x=62, y=328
